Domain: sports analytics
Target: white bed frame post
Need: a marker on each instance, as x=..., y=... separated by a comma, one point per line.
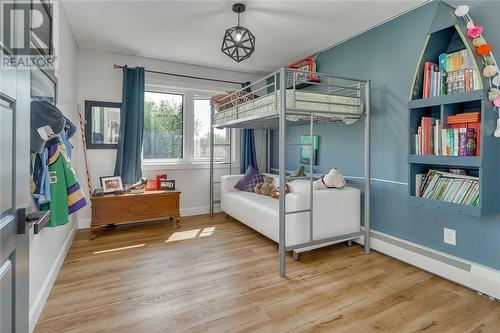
x=366, y=205
x=282, y=137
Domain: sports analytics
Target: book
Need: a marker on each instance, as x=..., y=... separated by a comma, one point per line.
x=466, y=142
x=442, y=61
x=468, y=120
x=455, y=141
x=427, y=80
x=418, y=183
x=450, y=187
x=427, y=123
x=437, y=137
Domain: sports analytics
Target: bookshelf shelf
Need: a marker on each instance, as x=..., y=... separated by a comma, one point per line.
x=447, y=36
x=452, y=161
x=447, y=99
x=446, y=206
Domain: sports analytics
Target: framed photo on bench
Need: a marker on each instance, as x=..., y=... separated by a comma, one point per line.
x=111, y=184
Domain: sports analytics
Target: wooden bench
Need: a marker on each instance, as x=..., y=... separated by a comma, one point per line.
x=113, y=209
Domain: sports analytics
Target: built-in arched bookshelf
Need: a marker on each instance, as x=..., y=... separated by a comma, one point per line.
x=447, y=35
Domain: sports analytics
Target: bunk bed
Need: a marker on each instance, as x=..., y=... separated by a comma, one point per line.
x=264, y=105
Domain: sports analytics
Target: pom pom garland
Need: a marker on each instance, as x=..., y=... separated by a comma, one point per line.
x=490, y=71
x=475, y=31
x=478, y=41
x=488, y=60
x=496, y=80
x=493, y=94
x=461, y=11
x=484, y=50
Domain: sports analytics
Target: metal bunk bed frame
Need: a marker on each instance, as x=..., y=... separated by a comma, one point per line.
x=357, y=88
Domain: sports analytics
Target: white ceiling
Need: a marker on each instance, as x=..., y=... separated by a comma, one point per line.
x=191, y=31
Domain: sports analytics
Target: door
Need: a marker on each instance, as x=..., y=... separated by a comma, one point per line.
x=14, y=194
x=14, y=247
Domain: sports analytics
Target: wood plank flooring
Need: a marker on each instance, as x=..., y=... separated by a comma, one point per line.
x=217, y=275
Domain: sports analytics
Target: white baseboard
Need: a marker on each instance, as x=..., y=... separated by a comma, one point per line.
x=44, y=292
x=201, y=210
x=192, y=211
x=84, y=223
x=472, y=275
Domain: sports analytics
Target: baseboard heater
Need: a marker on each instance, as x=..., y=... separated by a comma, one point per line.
x=429, y=254
x=484, y=280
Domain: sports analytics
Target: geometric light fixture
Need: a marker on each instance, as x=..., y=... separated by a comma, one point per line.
x=238, y=42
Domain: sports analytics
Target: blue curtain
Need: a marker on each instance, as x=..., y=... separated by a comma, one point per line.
x=248, y=156
x=128, y=154
x=247, y=149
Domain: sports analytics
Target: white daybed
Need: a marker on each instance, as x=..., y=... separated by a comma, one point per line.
x=336, y=211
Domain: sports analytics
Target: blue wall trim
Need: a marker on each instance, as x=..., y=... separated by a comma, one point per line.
x=387, y=55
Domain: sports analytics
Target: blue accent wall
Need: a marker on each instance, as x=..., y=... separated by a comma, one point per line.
x=388, y=55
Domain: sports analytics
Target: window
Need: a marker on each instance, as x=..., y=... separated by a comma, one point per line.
x=202, y=133
x=163, y=121
x=103, y=124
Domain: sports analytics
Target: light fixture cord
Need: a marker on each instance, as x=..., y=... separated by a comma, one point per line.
x=238, y=19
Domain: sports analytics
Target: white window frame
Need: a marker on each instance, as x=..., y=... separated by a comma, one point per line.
x=188, y=161
x=170, y=160
x=228, y=132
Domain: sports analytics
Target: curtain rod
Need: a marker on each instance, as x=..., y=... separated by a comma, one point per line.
x=185, y=76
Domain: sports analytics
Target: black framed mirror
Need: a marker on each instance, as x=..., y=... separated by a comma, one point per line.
x=102, y=124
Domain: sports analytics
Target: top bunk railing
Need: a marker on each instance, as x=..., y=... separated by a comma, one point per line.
x=348, y=89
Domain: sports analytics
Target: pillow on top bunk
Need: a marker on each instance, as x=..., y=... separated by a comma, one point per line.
x=251, y=178
x=229, y=100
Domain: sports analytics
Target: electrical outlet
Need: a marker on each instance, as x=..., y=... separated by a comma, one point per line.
x=450, y=236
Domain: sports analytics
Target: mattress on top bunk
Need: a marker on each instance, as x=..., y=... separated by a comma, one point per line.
x=300, y=100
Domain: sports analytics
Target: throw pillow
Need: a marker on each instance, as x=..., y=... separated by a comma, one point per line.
x=251, y=178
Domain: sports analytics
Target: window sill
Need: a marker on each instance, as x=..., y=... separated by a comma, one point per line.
x=182, y=165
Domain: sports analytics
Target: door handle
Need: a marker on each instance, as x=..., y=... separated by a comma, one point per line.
x=39, y=220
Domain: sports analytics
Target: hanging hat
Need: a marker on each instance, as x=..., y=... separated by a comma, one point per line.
x=478, y=41
x=490, y=70
x=461, y=11
x=493, y=94
x=496, y=80
x=46, y=120
x=484, y=50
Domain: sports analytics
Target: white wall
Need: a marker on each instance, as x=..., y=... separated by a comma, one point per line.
x=99, y=81
x=48, y=248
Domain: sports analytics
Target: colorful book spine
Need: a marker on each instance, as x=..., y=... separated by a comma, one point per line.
x=455, y=141
x=467, y=142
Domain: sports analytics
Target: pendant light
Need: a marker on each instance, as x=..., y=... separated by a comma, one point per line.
x=238, y=42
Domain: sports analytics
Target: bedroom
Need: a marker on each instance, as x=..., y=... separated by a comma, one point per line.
x=166, y=104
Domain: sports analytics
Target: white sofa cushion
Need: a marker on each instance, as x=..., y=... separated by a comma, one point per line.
x=335, y=211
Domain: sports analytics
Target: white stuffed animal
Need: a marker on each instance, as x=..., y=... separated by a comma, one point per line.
x=333, y=179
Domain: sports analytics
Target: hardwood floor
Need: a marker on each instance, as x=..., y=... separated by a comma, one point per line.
x=217, y=275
